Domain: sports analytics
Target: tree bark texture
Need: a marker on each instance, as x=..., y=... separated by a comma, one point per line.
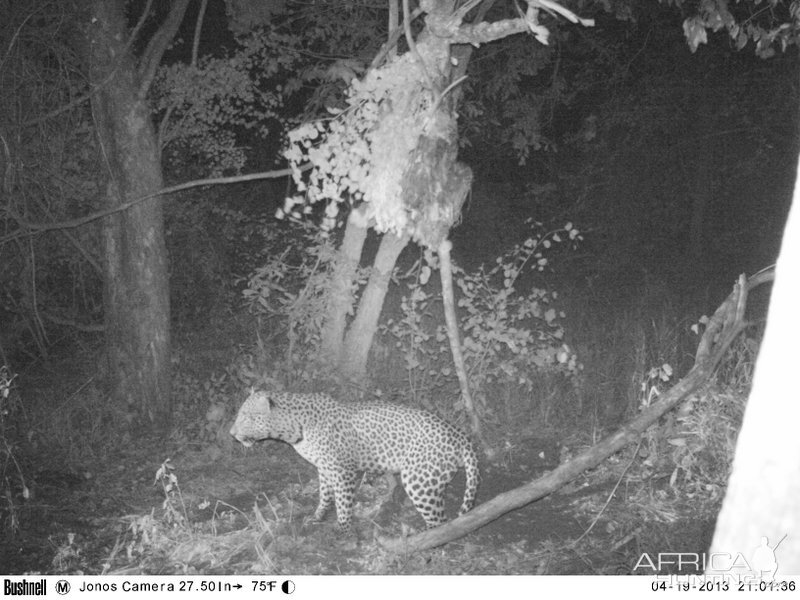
x=342, y=293
x=359, y=337
x=763, y=496
x=136, y=293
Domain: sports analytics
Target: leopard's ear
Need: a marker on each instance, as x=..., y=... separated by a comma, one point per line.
x=260, y=401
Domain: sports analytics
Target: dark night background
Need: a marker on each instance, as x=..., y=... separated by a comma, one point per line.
x=677, y=168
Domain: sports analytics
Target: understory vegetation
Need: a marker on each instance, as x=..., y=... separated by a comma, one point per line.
x=552, y=374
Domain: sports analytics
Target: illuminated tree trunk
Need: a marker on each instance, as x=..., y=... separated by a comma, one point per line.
x=136, y=294
x=763, y=497
x=342, y=296
x=359, y=338
x=431, y=184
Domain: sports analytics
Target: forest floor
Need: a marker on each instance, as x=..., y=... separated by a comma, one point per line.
x=247, y=514
x=227, y=510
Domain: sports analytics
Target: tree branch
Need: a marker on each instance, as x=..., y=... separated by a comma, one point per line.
x=412, y=46
x=461, y=13
x=391, y=42
x=72, y=223
x=139, y=24
x=482, y=33
x=77, y=325
x=151, y=57
x=72, y=240
x=394, y=20
x=728, y=312
x=197, y=27
x=93, y=89
x=717, y=340
x=479, y=33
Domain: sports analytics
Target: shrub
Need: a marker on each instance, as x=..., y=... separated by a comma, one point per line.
x=510, y=337
x=289, y=291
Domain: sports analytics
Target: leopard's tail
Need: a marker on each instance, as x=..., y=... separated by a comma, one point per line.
x=470, y=459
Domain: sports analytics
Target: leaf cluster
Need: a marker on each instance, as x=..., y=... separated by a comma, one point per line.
x=361, y=153
x=770, y=24
x=206, y=110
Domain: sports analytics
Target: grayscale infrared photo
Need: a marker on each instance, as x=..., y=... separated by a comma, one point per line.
x=399, y=287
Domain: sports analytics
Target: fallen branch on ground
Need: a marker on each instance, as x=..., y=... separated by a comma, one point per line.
x=723, y=328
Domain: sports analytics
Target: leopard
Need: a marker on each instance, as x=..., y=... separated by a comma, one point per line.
x=342, y=439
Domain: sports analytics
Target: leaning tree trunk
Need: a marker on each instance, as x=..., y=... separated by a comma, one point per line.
x=763, y=497
x=342, y=292
x=136, y=294
x=440, y=52
x=359, y=337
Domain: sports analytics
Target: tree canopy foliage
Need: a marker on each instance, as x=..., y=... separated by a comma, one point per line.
x=276, y=65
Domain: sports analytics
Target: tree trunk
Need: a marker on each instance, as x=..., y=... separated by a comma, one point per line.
x=136, y=294
x=359, y=338
x=762, y=503
x=351, y=355
x=343, y=283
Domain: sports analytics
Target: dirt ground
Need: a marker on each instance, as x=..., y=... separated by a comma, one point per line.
x=248, y=512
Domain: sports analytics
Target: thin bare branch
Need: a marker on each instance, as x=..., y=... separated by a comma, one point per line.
x=151, y=57
x=479, y=33
x=139, y=24
x=391, y=42
x=30, y=228
x=198, y=26
x=482, y=33
x=162, y=127
x=412, y=45
x=16, y=35
x=461, y=13
x=72, y=240
x=85, y=327
x=37, y=318
x=66, y=107
x=394, y=21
